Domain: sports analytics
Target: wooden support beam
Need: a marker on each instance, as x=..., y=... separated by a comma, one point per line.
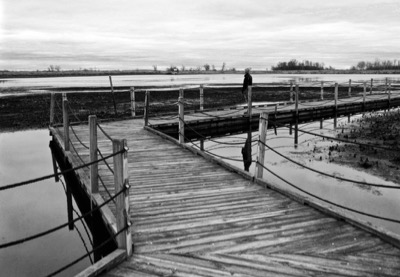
x=146, y=108
x=52, y=106
x=133, y=102
x=201, y=97
x=70, y=214
x=65, y=124
x=121, y=181
x=181, y=120
x=262, y=131
x=94, y=182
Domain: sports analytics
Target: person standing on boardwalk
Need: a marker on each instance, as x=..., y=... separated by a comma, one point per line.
x=248, y=81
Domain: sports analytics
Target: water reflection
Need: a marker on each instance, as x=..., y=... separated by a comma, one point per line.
x=34, y=208
x=377, y=201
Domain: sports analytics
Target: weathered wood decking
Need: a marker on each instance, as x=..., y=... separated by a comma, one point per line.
x=195, y=218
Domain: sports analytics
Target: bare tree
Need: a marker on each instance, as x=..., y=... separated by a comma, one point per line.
x=155, y=67
x=223, y=66
x=206, y=67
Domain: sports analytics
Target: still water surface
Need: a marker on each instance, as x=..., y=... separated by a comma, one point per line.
x=34, y=208
x=186, y=79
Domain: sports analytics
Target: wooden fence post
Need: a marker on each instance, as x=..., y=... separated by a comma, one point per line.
x=121, y=180
x=349, y=87
x=181, y=92
x=113, y=96
x=372, y=84
x=262, y=131
x=389, y=93
x=386, y=85
x=364, y=95
x=249, y=103
x=94, y=184
x=202, y=144
x=336, y=100
x=181, y=120
x=296, y=126
x=65, y=123
x=52, y=106
x=201, y=97
x=322, y=90
x=133, y=102
x=321, y=123
x=146, y=108
x=291, y=91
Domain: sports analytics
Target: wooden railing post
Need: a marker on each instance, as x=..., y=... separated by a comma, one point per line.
x=386, y=85
x=296, y=126
x=181, y=120
x=113, y=96
x=291, y=91
x=364, y=95
x=336, y=100
x=121, y=180
x=146, y=108
x=65, y=122
x=389, y=95
x=372, y=84
x=322, y=90
x=249, y=103
x=52, y=106
x=94, y=184
x=262, y=131
x=321, y=123
x=133, y=102
x=181, y=92
x=201, y=97
x=349, y=87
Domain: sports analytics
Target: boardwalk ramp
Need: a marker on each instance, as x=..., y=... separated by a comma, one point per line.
x=193, y=217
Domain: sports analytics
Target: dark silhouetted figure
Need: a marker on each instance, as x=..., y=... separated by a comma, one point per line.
x=248, y=81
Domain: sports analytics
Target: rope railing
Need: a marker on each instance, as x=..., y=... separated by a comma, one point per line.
x=325, y=200
x=10, y=186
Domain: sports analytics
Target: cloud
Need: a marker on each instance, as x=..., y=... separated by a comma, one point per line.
x=256, y=33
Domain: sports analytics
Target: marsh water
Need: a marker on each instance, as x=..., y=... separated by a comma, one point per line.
x=183, y=79
x=34, y=208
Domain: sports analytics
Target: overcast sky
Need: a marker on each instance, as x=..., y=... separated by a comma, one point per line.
x=130, y=34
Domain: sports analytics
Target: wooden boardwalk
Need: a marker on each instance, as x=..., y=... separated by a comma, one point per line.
x=192, y=217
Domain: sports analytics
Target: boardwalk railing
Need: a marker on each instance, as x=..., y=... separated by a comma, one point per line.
x=119, y=168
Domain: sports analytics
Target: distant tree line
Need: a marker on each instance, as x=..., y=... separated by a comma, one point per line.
x=377, y=65
x=296, y=65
